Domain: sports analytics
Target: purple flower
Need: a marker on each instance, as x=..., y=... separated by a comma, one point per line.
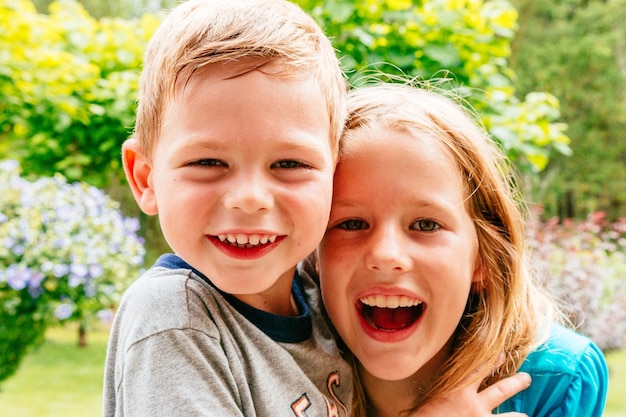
x=95, y=270
x=16, y=277
x=60, y=270
x=106, y=316
x=63, y=312
x=79, y=270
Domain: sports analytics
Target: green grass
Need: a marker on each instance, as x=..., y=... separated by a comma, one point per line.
x=616, y=401
x=60, y=379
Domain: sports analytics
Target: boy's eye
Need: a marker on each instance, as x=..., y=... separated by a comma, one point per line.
x=425, y=225
x=289, y=164
x=353, y=224
x=208, y=163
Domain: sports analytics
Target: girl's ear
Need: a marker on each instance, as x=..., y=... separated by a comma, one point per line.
x=138, y=172
x=478, y=278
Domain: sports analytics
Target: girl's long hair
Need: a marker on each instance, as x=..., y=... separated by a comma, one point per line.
x=504, y=314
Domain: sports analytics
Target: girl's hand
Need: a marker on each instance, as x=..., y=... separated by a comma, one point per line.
x=468, y=402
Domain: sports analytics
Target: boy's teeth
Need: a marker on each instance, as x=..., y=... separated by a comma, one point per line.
x=389, y=301
x=242, y=239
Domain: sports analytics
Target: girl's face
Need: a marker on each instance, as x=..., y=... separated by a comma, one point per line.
x=400, y=253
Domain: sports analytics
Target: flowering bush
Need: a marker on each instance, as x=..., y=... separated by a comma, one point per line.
x=583, y=265
x=66, y=251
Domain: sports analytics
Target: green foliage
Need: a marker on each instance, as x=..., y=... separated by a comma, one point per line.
x=67, y=88
x=68, y=82
x=66, y=253
x=467, y=40
x=581, y=59
x=21, y=328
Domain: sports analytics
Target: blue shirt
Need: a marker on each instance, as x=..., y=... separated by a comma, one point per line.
x=569, y=378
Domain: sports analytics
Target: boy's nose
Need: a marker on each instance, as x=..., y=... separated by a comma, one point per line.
x=386, y=252
x=250, y=195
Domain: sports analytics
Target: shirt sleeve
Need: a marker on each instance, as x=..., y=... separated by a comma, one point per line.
x=586, y=394
x=169, y=374
x=569, y=378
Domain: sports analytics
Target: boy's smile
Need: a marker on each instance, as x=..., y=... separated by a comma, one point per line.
x=244, y=241
x=246, y=247
x=241, y=177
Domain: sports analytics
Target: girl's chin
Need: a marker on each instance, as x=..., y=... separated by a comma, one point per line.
x=388, y=371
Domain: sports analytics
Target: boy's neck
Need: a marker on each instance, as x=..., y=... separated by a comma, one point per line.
x=270, y=302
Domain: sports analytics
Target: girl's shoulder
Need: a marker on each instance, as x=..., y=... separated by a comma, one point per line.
x=565, y=351
x=565, y=369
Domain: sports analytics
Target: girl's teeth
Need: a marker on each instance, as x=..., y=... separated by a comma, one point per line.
x=389, y=301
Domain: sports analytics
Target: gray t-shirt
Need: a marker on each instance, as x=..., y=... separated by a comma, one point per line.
x=181, y=347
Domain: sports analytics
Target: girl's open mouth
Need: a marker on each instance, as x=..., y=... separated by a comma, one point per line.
x=390, y=313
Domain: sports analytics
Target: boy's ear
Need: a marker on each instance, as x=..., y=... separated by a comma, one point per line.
x=138, y=173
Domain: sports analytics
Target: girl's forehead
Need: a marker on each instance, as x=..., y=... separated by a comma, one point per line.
x=381, y=135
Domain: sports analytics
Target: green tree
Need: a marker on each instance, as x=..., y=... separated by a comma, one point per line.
x=576, y=49
x=468, y=41
x=68, y=88
x=126, y=9
x=68, y=82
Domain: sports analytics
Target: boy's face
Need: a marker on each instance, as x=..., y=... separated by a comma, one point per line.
x=241, y=178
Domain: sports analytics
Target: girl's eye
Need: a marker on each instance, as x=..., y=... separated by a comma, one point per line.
x=289, y=164
x=426, y=225
x=352, y=224
x=208, y=163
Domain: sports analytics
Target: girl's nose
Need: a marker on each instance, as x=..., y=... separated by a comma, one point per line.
x=386, y=251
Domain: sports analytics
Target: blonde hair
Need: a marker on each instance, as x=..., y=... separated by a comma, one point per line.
x=204, y=32
x=505, y=314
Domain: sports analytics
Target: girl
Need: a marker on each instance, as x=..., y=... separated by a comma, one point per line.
x=422, y=267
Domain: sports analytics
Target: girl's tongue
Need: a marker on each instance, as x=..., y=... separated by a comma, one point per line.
x=390, y=319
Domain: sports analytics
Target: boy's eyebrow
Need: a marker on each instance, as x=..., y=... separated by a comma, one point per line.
x=284, y=145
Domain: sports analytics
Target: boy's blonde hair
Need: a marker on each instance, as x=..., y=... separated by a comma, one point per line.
x=204, y=32
x=505, y=314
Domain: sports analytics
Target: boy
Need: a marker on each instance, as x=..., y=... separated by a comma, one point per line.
x=240, y=110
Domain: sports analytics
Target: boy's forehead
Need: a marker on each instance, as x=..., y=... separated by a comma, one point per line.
x=232, y=69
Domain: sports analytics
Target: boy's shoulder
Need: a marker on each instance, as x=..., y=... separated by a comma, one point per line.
x=165, y=298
